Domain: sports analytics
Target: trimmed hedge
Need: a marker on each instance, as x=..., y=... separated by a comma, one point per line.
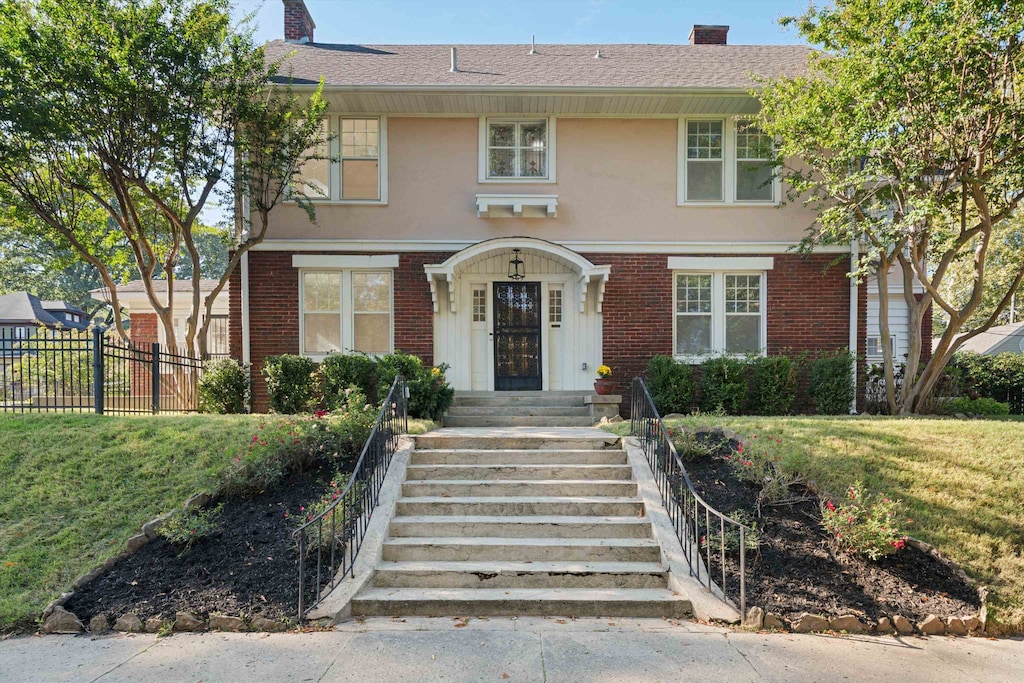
x=296, y=384
x=723, y=384
x=224, y=387
x=999, y=377
x=671, y=384
x=832, y=387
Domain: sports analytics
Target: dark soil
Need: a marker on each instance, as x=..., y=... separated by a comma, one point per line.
x=795, y=571
x=248, y=568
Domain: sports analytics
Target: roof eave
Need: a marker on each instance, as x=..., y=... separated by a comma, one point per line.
x=522, y=89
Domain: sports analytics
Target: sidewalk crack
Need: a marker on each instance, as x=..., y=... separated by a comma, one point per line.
x=543, y=664
x=120, y=664
x=742, y=654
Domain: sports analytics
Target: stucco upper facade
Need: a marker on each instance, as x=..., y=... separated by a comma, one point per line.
x=616, y=180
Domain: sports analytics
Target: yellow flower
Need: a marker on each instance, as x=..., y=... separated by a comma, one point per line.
x=604, y=371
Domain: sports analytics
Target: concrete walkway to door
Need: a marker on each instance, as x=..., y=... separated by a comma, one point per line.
x=500, y=649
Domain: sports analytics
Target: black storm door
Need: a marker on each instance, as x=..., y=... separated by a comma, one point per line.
x=517, y=336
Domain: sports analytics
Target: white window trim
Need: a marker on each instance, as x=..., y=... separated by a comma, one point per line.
x=718, y=314
x=334, y=152
x=347, y=311
x=728, y=170
x=880, y=355
x=482, y=152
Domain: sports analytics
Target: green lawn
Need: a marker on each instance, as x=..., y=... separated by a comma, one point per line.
x=962, y=482
x=73, y=488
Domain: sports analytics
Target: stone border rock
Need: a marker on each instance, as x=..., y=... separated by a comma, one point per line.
x=898, y=625
x=149, y=531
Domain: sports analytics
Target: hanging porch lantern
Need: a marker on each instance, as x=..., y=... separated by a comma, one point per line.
x=516, y=271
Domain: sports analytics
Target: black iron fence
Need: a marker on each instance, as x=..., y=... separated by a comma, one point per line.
x=330, y=540
x=44, y=370
x=715, y=545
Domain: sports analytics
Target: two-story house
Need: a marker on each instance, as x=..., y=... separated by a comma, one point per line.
x=525, y=213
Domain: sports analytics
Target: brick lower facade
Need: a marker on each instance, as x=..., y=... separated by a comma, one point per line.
x=808, y=308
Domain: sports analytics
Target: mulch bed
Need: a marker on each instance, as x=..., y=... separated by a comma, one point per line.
x=795, y=571
x=249, y=568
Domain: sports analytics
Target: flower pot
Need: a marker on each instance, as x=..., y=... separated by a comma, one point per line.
x=604, y=386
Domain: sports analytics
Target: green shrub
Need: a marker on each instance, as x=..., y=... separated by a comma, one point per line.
x=290, y=383
x=342, y=434
x=187, y=527
x=723, y=384
x=429, y=394
x=831, y=383
x=1000, y=377
x=671, y=384
x=773, y=385
x=339, y=371
x=865, y=524
x=976, y=406
x=758, y=460
x=224, y=387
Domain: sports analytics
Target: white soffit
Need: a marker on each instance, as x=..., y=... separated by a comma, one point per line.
x=721, y=263
x=344, y=261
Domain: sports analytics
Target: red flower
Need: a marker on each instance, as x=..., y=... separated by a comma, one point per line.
x=320, y=413
x=286, y=515
x=302, y=509
x=830, y=506
x=898, y=544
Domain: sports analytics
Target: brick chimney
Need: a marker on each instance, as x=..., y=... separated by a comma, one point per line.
x=298, y=24
x=703, y=34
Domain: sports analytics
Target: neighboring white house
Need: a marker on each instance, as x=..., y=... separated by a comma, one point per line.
x=1001, y=339
x=145, y=327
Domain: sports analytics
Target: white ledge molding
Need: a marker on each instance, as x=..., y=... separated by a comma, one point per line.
x=751, y=263
x=347, y=261
x=517, y=205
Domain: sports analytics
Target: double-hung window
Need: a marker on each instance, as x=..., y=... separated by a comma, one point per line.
x=346, y=311
x=719, y=313
x=348, y=165
x=517, y=149
x=725, y=161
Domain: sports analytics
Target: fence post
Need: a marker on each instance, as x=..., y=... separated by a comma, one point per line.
x=97, y=370
x=155, y=371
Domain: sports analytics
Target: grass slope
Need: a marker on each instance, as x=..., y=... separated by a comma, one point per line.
x=73, y=488
x=962, y=482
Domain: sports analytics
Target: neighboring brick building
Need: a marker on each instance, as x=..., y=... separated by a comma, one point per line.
x=622, y=182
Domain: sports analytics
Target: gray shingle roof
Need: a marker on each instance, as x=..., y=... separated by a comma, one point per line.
x=137, y=286
x=25, y=309
x=570, y=66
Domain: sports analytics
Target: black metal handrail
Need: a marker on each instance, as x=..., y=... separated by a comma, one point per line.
x=686, y=508
x=346, y=519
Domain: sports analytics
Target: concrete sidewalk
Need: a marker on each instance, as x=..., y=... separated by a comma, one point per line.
x=498, y=649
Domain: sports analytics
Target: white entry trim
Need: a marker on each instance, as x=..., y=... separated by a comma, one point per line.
x=586, y=271
x=692, y=263
x=344, y=261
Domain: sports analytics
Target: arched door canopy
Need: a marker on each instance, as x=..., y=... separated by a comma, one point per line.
x=455, y=265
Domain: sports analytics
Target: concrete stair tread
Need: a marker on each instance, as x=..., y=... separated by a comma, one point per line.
x=519, y=519
x=510, y=480
x=469, y=595
x=518, y=499
x=414, y=469
x=513, y=566
x=527, y=541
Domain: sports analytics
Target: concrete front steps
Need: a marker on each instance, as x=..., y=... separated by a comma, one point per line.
x=532, y=522
x=519, y=409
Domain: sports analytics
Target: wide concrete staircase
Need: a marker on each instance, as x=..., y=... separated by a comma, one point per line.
x=519, y=409
x=520, y=522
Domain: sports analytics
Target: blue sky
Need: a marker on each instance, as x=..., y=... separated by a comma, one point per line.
x=553, y=21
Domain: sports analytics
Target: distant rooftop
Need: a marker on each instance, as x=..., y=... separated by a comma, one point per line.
x=639, y=66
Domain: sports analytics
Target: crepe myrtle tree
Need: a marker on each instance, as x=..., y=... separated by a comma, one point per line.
x=145, y=110
x=908, y=133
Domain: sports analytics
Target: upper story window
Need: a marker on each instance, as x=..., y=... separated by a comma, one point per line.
x=517, y=150
x=351, y=165
x=723, y=161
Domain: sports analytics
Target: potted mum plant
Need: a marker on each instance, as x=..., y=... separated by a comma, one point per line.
x=604, y=385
